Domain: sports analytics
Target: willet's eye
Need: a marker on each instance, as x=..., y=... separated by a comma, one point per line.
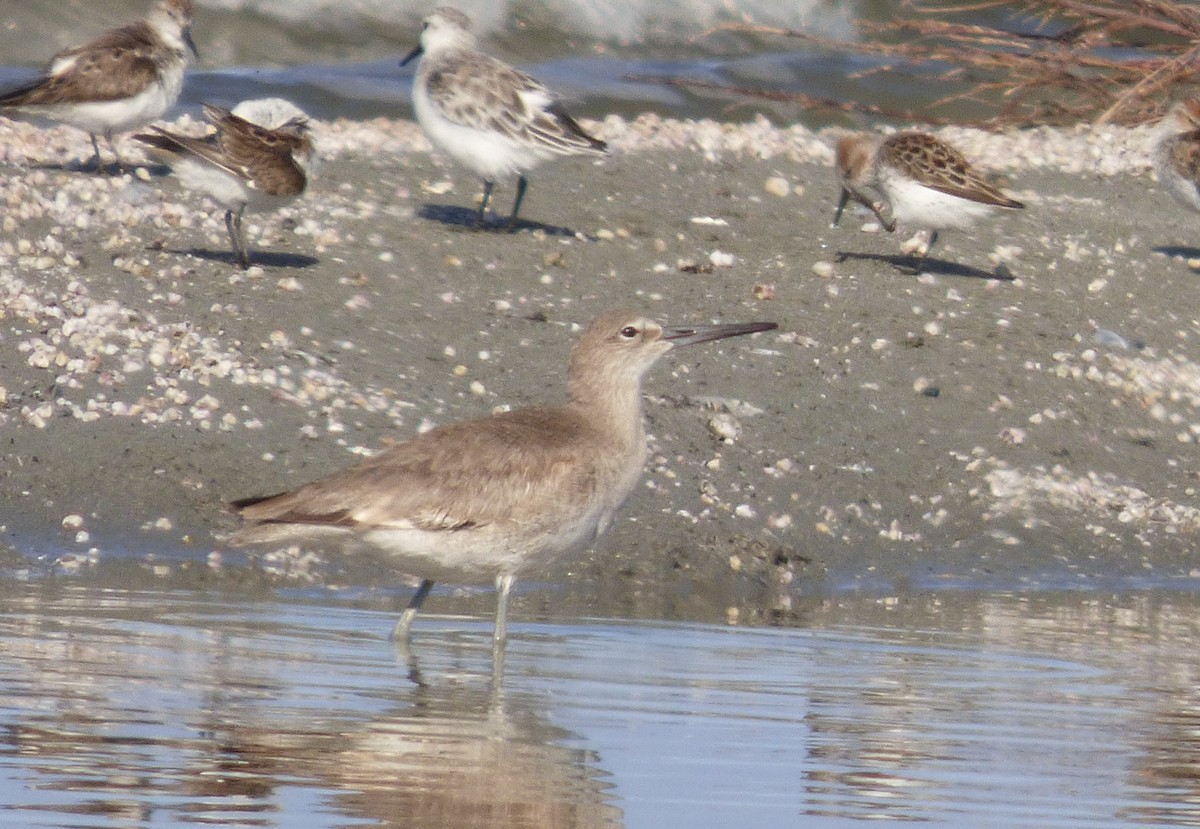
x=629, y=332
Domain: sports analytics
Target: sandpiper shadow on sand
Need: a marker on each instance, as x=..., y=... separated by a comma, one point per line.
x=940, y=267
x=1182, y=251
x=465, y=218
x=111, y=169
x=263, y=258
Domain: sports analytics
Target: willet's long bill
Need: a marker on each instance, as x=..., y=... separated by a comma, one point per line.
x=496, y=496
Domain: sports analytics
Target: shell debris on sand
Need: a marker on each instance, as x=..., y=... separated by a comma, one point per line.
x=144, y=367
x=106, y=315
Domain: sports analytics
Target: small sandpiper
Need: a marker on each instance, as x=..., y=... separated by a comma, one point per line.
x=913, y=177
x=490, y=117
x=259, y=158
x=120, y=81
x=1175, y=151
x=493, y=497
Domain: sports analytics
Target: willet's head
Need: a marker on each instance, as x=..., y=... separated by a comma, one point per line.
x=619, y=347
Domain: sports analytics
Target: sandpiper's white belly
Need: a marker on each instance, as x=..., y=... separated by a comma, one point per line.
x=224, y=188
x=122, y=114
x=914, y=203
x=492, y=155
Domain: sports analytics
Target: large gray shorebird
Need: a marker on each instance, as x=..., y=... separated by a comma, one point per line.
x=493, y=497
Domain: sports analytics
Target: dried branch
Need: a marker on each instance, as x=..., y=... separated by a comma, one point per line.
x=1105, y=61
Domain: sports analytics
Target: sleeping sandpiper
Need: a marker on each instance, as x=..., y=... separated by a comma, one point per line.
x=259, y=158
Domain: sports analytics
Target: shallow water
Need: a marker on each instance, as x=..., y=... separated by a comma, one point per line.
x=342, y=59
x=126, y=708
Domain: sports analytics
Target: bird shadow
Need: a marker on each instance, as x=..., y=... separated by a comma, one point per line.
x=264, y=259
x=466, y=219
x=112, y=169
x=941, y=267
x=1182, y=251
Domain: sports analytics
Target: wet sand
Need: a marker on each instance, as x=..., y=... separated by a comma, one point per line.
x=899, y=433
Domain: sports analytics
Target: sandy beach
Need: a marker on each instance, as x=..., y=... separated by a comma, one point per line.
x=898, y=433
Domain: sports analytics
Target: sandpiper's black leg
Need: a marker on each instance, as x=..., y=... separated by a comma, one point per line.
x=233, y=224
x=522, y=183
x=488, y=184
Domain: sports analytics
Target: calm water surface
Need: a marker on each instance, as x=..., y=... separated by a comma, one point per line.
x=336, y=58
x=179, y=708
x=963, y=709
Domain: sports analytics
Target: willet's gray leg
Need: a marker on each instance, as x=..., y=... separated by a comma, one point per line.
x=401, y=630
x=504, y=584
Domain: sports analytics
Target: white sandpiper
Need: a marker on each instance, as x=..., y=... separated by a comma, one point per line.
x=259, y=158
x=491, y=118
x=120, y=81
x=493, y=497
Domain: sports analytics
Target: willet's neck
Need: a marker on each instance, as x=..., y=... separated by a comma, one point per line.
x=612, y=405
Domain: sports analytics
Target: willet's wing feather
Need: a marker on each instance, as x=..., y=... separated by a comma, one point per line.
x=116, y=65
x=463, y=475
x=261, y=156
x=939, y=166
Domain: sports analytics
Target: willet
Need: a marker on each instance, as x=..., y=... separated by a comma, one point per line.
x=120, y=81
x=490, y=117
x=496, y=496
x=917, y=178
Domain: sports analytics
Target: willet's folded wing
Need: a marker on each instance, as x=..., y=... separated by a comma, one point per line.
x=508, y=468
